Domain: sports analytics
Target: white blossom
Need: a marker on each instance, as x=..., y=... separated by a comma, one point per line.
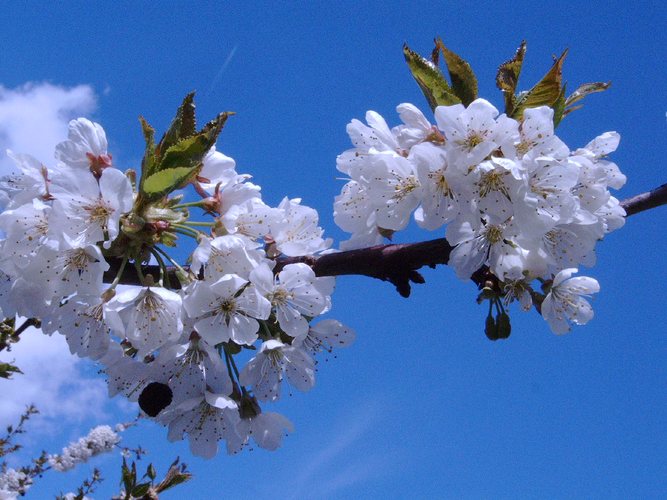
x=148, y=317
x=565, y=302
x=275, y=360
x=99, y=440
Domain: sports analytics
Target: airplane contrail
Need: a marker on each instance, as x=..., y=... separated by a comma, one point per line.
x=222, y=69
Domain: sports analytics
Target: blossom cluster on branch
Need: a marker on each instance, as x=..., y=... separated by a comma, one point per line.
x=171, y=346
x=518, y=204
x=512, y=195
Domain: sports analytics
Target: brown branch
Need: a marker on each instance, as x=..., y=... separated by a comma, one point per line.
x=396, y=263
x=645, y=201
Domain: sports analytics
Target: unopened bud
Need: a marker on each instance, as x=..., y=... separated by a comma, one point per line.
x=491, y=328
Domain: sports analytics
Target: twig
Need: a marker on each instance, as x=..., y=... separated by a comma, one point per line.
x=396, y=263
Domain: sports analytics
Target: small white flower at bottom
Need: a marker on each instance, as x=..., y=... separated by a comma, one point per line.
x=565, y=303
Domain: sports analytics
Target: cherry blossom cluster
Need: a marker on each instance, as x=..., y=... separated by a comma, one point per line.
x=170, y=344
x=512, y=195
x=14, y=483
x=100, y=439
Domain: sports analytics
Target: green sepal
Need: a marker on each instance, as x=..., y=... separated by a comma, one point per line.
x=545, y=92
x=430, y=79
x=507, y=77
x=184, y=125
x=464, y=81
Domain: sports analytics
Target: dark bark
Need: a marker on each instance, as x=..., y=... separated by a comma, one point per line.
x=396, y=263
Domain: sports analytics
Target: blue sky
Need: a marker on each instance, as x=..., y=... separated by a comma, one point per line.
x=422, y=405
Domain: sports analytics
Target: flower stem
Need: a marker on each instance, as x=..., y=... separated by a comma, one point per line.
x=199, y=203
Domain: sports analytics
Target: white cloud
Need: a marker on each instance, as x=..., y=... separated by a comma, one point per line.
x=52, y=380
x=34, y=118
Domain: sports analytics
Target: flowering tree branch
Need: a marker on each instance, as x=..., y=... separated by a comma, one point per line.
x=522, y=210
x=396, y=263
x=645, y=201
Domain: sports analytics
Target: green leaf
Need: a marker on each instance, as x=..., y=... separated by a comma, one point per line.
x=127, y=477
x=191, y=150
x=464, y=81
x=559, y=107
x=545, y=92
x=429, y=78
x=140, y=490
x=581, y=92
x=183, y=125
x=507, y=77
x=164, y=182
x=7, y=370
x=182, y=162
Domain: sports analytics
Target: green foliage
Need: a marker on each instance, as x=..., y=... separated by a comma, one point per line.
x=507, y=77
x=545, y=93
x=133, y=488
x=430, y=79
x=549, y=91
x=578, y=95
x=184, y=125
x=177, y=159
x=434, y=85
x=464, y=81
x=7, y=370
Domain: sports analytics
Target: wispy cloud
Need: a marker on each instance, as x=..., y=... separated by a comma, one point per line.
x=331, y=470
x=223, y=68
